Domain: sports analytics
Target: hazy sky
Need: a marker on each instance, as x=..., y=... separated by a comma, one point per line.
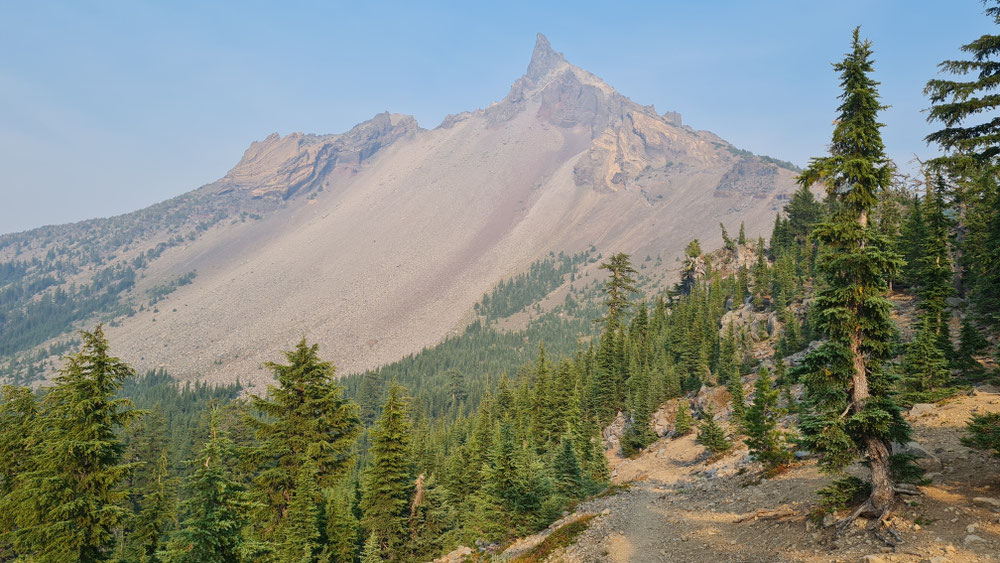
x=106, y=107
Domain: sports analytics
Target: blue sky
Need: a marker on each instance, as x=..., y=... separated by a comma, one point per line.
x=106, y=107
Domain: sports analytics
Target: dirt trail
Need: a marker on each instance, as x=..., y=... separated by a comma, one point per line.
x=681, y=507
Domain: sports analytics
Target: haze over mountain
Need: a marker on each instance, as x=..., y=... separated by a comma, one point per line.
x=378, y=241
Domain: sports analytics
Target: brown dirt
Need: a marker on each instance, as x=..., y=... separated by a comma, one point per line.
x=683, y=507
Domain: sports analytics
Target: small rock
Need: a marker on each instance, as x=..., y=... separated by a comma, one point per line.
x=938, y=559
x=802, y=454
x=949, y=548
x=987, y=501
x=916, y=527
x=921, y=409
x=972, y=538
x=873, y=559
x=971, y=528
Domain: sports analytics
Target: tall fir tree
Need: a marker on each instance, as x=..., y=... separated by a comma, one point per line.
x=925, y=366
x=958, y=104
x=934, y=266
x=764, y=440
x=67, y=504
x=304, y=420
x=385, y=501
x=711, y=434
x=849, y=405
x=216, y=510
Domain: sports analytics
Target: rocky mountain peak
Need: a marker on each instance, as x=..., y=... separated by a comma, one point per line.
x=543, y=59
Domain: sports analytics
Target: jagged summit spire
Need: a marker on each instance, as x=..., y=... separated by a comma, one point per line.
x=543, y=59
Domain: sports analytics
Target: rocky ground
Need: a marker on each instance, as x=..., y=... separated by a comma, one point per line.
x=681, y=506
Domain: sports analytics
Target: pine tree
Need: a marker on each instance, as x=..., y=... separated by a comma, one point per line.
x=742, y=239
x=67, y=503
x=151, y=491
x=971, y=158
x=849, y=406
x=710, y=433
x=372, y=552
x=341, y=525
x=619, y=288
x=299, y=537
x=682, y=419
x=925, y=367
x=568, y=481
x=385, y=501
x=956, y=102
x=971, y=342
x=430, y=519
x=304, y=420
x=216, y=509
x=729, y=373
x=934, y=267
x=764, y=440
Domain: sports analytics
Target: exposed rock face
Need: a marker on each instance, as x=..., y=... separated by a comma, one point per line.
x=748, y=176
x=280, y=167
x=378, y=241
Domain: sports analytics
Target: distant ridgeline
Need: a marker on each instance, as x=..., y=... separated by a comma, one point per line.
x=54, y=279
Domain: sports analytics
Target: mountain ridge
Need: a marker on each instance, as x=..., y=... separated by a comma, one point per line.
x=378, y=241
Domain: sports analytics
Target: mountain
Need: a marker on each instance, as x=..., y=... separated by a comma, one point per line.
x=378, y=242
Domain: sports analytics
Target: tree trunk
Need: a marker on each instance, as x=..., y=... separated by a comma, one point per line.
x=878, y=450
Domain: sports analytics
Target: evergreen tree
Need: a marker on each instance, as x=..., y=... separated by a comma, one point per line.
x=304, y=420
x=151, y=491
x=764, y=440
x=954, y=103
x=67, y=503
x=924, y=365
x=385, y=501
x=742, y=239
x=682, y=418
x=215, y=510
x=850, y=409
x=341, y=525
x=430, y=519
x=619, y=288
x=803, y=212
x=971, y=342
x=729, y=373
x=710, y=433
x=971, y=157
x=372, y=552
x=299, y=537
x=566, y=470
x=934, y=267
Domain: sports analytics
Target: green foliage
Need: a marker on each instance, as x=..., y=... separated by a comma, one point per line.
x=619, y=288
x=561, y=537
x=385, y=500
x=65, y=502
x=305, y=421
x=983, y=432
x=843, y=492
x=371, y=552
x=955, y=102
x=215, y=512
x=342, y=527
x=925, y=366
x=765, y=441
x=710, y=433
x=683, y=422
x=522, y=290
x=849, y=407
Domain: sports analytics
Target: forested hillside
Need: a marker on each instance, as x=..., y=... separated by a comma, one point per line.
x=881, y=293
